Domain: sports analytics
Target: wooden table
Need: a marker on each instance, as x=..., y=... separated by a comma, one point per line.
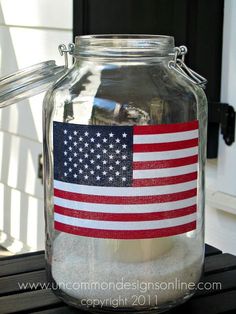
x=31, y=268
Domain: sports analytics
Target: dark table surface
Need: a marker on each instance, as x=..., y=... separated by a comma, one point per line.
x=31, y=268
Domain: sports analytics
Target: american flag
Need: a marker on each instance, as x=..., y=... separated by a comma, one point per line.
x=125, y=182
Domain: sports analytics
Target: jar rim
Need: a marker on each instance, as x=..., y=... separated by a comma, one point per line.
x=125, y=36
x=124, y=45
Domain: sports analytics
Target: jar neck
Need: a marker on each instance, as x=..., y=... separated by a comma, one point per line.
x=124, y=47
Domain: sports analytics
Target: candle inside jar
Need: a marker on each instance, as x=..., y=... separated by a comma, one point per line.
x=136, y=250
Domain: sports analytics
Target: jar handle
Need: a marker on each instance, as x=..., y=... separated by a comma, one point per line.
x=178, y=65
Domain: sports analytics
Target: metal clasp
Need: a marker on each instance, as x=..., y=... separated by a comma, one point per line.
x=178, y=65
x=63, y=50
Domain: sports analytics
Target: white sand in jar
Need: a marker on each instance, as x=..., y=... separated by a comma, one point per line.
x=89, y=271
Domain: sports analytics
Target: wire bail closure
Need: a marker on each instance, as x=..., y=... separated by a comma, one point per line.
x=181, y=68
x=63, y=50
x=177, y=64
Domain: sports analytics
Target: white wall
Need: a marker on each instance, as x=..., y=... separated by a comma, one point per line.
x=220, y=230
x=30, y=32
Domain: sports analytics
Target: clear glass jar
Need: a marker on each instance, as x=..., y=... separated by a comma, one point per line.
x=124, y=155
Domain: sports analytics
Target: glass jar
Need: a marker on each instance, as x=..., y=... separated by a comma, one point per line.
x=124, y=150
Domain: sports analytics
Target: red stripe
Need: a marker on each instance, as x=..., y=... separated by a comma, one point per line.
x=126, y=234
x=126, y=216
x=165, y=128
x=160, y=147
x=165, y=180
x=169, y=163
x=102, y=199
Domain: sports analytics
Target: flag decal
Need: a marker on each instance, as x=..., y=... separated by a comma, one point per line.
x=125, y=182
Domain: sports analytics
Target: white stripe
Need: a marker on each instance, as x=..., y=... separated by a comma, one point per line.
x=114, y=208
x=165, y=172
x=124, y=191
x=165, y=138
x=172, y=154
x=130, y=225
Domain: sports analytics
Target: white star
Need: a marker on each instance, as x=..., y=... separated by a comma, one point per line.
x=80, y=139
x=65, y=163
x=123, y=179
x=98, y=167
x=117, y=173
x=80, y=160
x=75, y=143
x=75, y=132
x=98, y=145
x=124, y=146
x=65, y=153
x=111, y=134
x=98, y=134
x=124, y=168
x=86, y=144
x=70, y=148
x=92, y=150
x=111, y=168
x=65, y=131
x=70, y=170
x=104, y=151
x=124, y=157
x=104, y=162
x=98, y=178
x=92, y=161
x=92, y=139
x=117, y=151
x=86, y=166
x=111, y=156
x=65, y=174
x=70, y=137
x=124, y=134
x=86, y=134
x=117, y=162
x=65, y=142
x=111, y=146
x=110, y=179
x=92, y=172
x=75, y=154
x=117, y=140
x=75, y=175
x=85, y=155
x=104, y=140
x=98, y=156
x=104, y=173
x=86, y=177
x=75, y=165
x=70, y=159
x=80, y=171
x=80, y=149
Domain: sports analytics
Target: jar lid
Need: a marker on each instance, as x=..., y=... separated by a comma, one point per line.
x=28, y=82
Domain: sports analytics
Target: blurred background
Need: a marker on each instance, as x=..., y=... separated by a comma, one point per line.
x=30, y=32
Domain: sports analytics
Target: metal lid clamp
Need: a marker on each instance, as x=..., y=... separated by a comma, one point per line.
x=63, y=50
x=181, y=68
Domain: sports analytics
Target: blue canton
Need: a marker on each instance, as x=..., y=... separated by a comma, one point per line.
x=93, y=155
